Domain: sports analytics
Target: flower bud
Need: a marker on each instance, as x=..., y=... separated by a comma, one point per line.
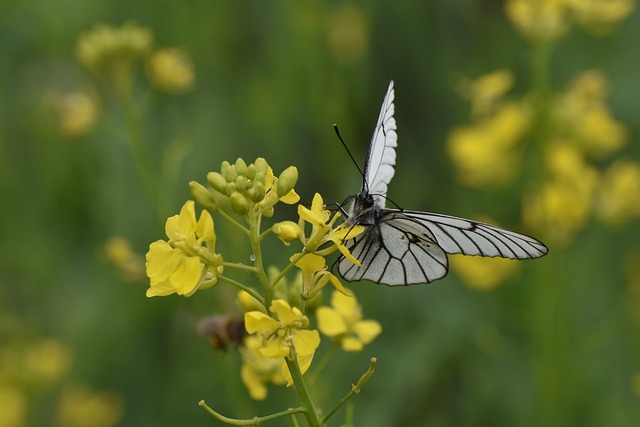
x=286, y=231
x=241, y=167
x=239, y=203
x=242, y=183
x=268, y=213
x=228, y=171
x=287, y=180
x=261, y=165
x=218, y=182
x=251, y=171
x=203, y=196
x=257, y=192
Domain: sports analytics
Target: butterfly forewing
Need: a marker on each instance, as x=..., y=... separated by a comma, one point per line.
x=381, y=159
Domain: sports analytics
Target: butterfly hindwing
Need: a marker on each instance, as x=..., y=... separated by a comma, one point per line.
x=397, y=250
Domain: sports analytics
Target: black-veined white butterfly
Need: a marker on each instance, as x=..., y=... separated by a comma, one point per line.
x=402, y=247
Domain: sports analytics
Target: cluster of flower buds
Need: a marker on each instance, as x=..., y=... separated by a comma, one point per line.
x=248, y=187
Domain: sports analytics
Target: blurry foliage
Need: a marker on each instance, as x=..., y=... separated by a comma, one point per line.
x=86, y=155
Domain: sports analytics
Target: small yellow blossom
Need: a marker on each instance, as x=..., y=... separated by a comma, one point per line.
x=286, y=231
x=258, y=370
x=343, y=322
x=322, y=231
x=315, y=275
x=487, y=153
x=565, y=201
x=13, y=402
x=484, y=91
x=187, y=262
x=47, y=360
x=79, y=112
x=483, y=274
x=289, y=330
x=171, y=70
x=347, y=34
x=539, y=19
x=130, y=263
x=619, y=193
x=599, y=16
x=83, y=407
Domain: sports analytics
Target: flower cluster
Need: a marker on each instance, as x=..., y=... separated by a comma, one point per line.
x=550, y=19
x=276, y=339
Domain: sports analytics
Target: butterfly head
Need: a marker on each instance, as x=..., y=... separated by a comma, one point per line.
x=364, y=210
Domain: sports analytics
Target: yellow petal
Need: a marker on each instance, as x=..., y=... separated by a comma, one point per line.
x=253, y=382
x=338, y=285
x=346, y=306
x=187, y=218
x=162, y=260
x=305, y=341
x=310, y=262
x=256, y=321
x=290, y=198
x=367, y=330
x=284, y=311
x=330, y=322
x=187, y=276
x=204, y=227
x=275, y=348
x=351, y=344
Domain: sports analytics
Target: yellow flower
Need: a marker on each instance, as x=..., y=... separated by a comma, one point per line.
x=83, y=407
x=258, y=370
x=79, y=112
x=289, y=330
x=130, y=264
x=315, y=275
x=486, y=90
x=600, y=15
x=619, y=194
x=539, y=19
x=14, y=404
x=483, y=274
x=322, y=231
x=187, y=262
x=171, y=70
x=343, y=322
x=286, y=231
x=487, y=153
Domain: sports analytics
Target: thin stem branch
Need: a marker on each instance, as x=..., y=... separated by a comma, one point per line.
x=233, y=221
x=310, y=412
x=354, y=389
x=252, y=422
x=245, y=288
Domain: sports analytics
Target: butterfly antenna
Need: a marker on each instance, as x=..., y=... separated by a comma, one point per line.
x=335, y=128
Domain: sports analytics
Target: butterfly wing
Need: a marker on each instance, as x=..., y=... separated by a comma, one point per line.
x=464, y=236
x=397, y=250
x=381, y=158
x=410, y=247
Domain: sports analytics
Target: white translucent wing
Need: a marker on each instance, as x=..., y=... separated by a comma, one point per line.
x=464, y=236
x=396, y=251
x=381, y=159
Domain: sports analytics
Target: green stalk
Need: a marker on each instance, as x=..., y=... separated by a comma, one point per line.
x=311, y=414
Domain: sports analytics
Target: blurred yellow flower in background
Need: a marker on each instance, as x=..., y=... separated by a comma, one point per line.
x=599, y=16
x=343, y=322
x=487, y=152
x=129, y=263
x=78, y=113
x=347, y=33
x=619, y=193
x=171, y=70
x=483, y=274
x=485, y=91
x=82, y=407
x=13, y=402
x=539, y=19
x=258, y=370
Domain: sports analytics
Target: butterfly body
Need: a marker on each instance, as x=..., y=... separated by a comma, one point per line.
x=403, y=247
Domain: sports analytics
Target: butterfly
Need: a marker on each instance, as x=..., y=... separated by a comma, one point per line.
x=404, y=247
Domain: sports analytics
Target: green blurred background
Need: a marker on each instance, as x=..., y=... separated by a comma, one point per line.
x=557, y=344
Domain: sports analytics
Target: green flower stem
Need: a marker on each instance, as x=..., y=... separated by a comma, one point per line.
x=310, y=413
x=233, y=222
x=266, y=233
x=252, y=422
x=288, y=267
x=354, y=389
x=254, y=220
x=239, y=266
x=140, y=155
x=247, y=289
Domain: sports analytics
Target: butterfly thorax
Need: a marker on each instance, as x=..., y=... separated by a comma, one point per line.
x=364, y=210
